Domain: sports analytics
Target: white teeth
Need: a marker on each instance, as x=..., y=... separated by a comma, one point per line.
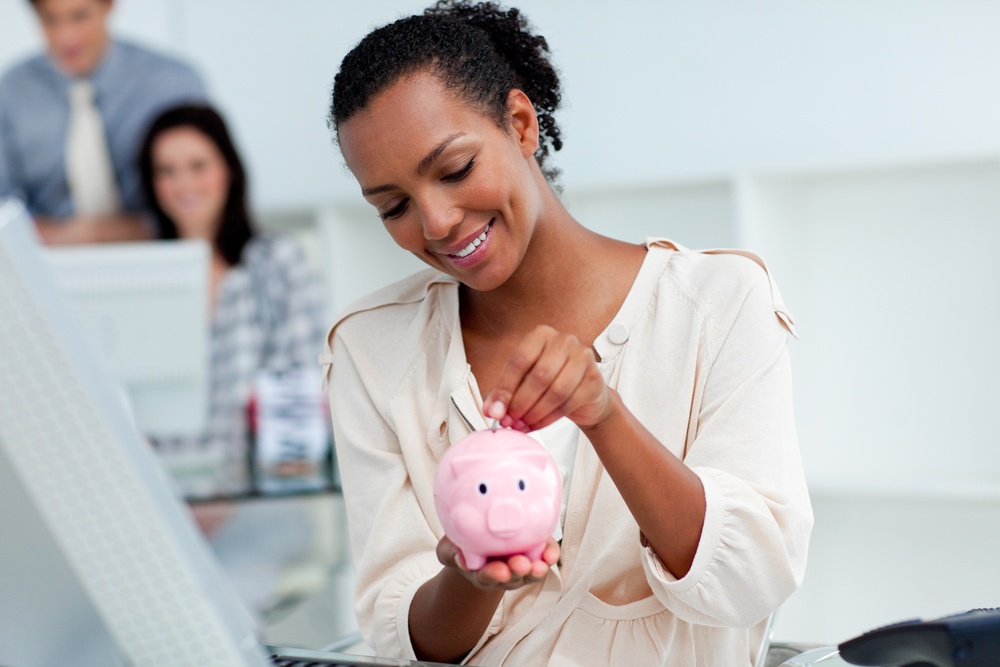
x=464, y=252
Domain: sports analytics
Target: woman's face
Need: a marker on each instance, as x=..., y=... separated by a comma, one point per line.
x=451, y=186
x=191, y=181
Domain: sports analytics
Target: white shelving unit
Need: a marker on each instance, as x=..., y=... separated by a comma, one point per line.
x=890, y=270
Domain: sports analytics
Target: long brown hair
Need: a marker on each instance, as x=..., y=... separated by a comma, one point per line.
x=236, y=227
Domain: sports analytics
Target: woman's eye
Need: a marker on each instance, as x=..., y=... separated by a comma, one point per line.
x=395, y=211
x=461, y=173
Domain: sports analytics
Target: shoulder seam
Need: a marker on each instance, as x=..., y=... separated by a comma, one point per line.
x=380, y=298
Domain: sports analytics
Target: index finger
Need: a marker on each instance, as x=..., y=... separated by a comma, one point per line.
x=518, y=365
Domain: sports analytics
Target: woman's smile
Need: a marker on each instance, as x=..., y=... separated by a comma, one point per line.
x=471, y=251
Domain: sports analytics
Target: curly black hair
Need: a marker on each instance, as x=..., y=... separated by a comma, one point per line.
x=480, y=50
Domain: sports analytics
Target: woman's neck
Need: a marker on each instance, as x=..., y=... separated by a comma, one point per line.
x=571, y=278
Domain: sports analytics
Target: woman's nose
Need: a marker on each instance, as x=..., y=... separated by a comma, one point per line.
x=439, y=219
x=184, y=179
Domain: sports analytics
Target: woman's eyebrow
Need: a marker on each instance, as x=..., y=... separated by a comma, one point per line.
x=434, y=154
x=368, y=192
x=421, y=168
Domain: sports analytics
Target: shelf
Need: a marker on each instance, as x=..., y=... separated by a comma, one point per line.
x=889, y=270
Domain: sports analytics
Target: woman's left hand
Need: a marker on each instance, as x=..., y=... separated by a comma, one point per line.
x=549, y=375
x=501, y=573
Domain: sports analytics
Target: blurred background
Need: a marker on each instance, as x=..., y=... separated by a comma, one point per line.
x=854, y=144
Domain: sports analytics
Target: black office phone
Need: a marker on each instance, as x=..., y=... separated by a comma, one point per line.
x=969, y=639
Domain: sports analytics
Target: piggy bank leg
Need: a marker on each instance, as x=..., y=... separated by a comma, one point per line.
x=473, y=561
x=536, y=553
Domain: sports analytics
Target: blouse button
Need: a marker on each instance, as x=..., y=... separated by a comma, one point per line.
x=618, y=333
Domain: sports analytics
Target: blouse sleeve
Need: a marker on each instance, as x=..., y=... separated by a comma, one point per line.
x=752, y=551
x=392, y=544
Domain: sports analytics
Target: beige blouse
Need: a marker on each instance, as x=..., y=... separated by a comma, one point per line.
x=698, y=352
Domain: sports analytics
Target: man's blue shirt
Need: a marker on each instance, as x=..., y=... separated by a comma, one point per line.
x=133, y=85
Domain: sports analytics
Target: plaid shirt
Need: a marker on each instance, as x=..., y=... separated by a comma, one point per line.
x=269, y=315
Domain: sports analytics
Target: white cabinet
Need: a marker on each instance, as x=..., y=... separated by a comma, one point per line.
x=892, y=274
x=891, y=271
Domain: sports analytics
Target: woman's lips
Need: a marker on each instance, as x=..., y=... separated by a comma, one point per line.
x=468, y=250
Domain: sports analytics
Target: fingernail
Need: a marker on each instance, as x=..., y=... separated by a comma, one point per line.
x=497, y=410
x=507, y=421
x=521, y=426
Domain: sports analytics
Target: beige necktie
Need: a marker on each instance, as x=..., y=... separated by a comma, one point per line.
x=89, y=170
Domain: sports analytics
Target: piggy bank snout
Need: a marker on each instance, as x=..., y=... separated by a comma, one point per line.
x=505, y=518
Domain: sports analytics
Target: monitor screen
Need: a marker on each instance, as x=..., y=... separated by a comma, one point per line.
x=101, y=563
x=144, y=308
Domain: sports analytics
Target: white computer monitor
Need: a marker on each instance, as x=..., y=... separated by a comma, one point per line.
x=101, y=563
x=144, y=307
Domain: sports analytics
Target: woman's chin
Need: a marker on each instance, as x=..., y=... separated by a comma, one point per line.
x=195, y=229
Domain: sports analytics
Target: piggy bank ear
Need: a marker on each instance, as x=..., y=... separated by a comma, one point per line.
x=536, y=457
x=465, y=462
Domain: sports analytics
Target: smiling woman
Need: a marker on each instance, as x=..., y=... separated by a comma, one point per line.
x=658, y=378
x=267, y=310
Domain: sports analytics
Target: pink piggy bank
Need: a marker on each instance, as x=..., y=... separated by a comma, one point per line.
x=498, y=493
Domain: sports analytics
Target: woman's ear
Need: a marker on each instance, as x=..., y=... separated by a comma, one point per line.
x=523, y=120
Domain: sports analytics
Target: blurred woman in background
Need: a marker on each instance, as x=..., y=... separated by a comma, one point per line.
x=266, y=316
x=267, y=310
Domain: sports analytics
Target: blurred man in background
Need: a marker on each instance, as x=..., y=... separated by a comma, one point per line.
x=72, y=119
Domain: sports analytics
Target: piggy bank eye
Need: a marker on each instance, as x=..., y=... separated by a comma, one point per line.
x=522, y=485
x=483, y=489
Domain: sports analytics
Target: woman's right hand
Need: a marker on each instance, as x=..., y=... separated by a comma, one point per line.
x=507, y=574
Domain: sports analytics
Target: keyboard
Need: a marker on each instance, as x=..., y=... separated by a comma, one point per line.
x=295, y=657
